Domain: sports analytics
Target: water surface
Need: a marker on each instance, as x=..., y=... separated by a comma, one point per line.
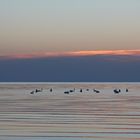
x=76, y=116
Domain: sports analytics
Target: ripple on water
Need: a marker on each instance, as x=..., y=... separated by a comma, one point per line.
x=55, y=116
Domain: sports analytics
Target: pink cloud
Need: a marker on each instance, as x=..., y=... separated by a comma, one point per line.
x=72, y=53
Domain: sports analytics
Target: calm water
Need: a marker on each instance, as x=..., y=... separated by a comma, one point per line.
x=76, y=116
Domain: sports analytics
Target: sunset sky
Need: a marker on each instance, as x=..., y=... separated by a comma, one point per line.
x=39, y=29
x=42, y=26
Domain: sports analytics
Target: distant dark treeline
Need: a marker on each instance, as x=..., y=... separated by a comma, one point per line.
x=98, y=68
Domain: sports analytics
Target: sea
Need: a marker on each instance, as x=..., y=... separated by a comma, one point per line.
x=69, y=111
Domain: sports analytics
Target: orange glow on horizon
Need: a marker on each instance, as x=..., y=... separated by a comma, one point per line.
x=72, y=53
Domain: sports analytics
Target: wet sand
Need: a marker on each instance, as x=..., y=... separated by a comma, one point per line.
x=56, y=116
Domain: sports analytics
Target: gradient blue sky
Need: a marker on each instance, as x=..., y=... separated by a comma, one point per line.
x=36, y=26
x=70, y=40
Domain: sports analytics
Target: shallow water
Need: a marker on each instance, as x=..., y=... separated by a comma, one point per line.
x=76, y=116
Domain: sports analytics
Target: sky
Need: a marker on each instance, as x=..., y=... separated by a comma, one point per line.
x=97, y=68
x=36, y=26
x=35, y=30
